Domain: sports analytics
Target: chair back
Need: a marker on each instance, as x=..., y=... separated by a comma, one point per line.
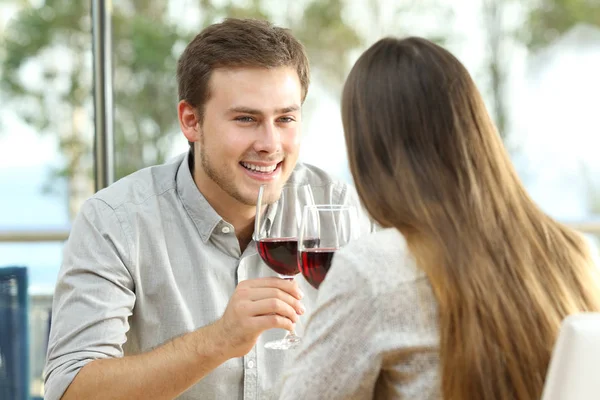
x=574, y=371
x=14, y=334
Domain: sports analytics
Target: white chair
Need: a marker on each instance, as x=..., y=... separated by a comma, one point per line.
x=574, y=371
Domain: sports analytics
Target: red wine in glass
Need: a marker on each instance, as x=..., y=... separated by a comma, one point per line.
x=325, y=229
x=314, y=264
x=280, y=254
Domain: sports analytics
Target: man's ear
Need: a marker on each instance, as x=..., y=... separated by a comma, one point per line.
x=188, y=121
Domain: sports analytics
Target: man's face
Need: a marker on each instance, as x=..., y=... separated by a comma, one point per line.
x=250, y=134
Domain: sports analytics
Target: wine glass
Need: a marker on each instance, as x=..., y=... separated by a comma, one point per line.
x=276, y=229
x=324, y=230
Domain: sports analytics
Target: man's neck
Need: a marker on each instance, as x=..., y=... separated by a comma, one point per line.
x=240, y=215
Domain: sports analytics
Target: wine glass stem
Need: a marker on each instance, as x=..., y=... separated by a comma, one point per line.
x=292, y=337
x=291, y=334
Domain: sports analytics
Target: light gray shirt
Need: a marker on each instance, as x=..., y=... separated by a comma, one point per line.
x=148, y=259
x=374, y=333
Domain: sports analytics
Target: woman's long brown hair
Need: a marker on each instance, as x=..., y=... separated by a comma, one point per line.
x=427, y=160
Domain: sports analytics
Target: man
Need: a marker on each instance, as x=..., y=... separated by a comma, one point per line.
x=160, y=293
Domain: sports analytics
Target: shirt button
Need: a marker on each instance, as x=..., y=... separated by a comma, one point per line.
x=250, y=364
x=225, y=229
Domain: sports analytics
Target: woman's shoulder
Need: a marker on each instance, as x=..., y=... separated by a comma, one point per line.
x=382, y=256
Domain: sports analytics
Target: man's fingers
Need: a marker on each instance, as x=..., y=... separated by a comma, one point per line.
x=272, y=306
x=274, y=321
x=274, y=293
x=288, y=286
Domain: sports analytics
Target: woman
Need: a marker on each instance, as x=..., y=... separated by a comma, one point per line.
x=462, y=296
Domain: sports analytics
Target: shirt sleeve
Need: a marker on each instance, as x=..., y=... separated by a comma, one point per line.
x=93, y=298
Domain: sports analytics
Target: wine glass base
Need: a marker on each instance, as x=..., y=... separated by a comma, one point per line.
x=284, y=344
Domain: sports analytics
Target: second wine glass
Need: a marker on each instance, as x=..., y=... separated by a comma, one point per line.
x=325, y=229
x=276, y=231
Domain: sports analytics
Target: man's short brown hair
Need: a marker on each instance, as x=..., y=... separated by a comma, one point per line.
x=237, y=43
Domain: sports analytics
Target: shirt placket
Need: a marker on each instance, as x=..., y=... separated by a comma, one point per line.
x=250, y=375
x=250, y=359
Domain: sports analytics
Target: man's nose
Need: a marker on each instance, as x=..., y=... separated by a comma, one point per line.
x=268, y=139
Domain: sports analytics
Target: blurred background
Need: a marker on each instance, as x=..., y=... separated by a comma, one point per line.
x=537, y=63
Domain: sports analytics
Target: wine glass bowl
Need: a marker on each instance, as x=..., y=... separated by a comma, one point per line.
x=324, y=230
x=280, y=255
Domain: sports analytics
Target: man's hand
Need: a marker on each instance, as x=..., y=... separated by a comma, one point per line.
x=256, y=306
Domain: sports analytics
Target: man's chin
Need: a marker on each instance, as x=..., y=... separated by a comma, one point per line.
x=272, y=193
x=272, y=190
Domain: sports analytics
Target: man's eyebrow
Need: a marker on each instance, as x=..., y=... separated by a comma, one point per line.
x=244, y=110
x=288, y=109
x=253, y=111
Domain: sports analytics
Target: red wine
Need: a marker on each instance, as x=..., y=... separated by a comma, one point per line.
x=280, y=255
x=314, y=264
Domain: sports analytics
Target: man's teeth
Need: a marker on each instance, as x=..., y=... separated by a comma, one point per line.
x=258, y=168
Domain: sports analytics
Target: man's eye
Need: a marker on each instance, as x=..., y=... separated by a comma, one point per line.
x=244, y=119
x=286, y=119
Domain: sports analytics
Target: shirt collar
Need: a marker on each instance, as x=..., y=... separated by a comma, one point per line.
x=198, y=208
